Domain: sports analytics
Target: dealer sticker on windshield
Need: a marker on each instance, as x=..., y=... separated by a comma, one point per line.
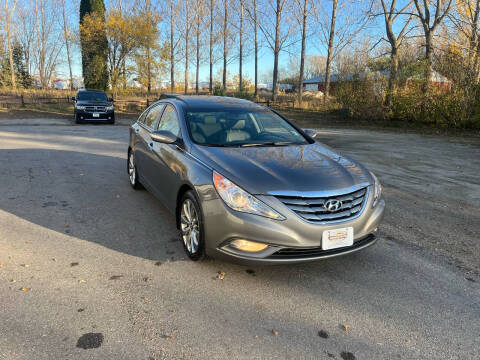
x=336, y=238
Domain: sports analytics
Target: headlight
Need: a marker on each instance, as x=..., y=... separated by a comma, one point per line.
x=80, y=107
x=239, y=200
x=109, y=108
x=377, y=190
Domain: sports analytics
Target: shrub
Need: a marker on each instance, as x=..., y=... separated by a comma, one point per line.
x=219, y=91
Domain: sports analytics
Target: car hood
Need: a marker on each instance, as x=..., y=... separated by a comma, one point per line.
x=286, y=170
x=95, y=103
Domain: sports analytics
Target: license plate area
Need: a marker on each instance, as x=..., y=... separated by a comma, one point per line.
x=96, y=115
x=337, y=238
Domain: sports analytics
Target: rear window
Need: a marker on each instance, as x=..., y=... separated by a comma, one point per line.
x=92, y=96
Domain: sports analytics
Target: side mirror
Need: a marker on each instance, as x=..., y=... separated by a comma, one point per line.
x=111, y=99
x=73, y=98
x=310, y=132
x=162, y=136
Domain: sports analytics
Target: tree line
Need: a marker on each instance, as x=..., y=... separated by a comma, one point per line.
x=152, y=40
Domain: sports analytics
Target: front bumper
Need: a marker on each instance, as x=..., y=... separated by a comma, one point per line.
x=292, y=240
x=83, y=115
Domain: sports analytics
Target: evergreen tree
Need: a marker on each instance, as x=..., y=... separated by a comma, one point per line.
x=23, y=77
x=94, y=44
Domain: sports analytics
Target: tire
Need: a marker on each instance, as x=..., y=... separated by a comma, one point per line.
x=77, y=121
x=133, y=172
x=191, y=227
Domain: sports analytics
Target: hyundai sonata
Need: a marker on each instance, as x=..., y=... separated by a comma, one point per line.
x=246, y=184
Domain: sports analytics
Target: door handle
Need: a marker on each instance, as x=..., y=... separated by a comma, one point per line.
x=150, y=145
x=137, y=130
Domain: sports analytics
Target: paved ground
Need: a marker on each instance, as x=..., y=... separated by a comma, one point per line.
x=101, y=264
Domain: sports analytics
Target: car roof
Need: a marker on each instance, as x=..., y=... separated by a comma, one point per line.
x=211, y=102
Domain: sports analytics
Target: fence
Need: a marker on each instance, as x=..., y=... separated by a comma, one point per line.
x=129, y=103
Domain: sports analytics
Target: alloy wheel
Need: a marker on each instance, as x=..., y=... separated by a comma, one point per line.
x=189, y=225
x=132, y=174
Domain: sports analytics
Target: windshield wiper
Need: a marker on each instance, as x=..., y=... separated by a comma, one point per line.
x=269, y=143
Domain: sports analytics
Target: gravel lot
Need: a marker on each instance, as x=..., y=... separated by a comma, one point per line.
x=90, y=269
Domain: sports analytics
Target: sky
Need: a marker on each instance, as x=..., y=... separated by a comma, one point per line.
x=315, y=46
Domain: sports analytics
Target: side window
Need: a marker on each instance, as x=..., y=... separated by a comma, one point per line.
x=141, y=119
x=153, y=116
x=169, y=121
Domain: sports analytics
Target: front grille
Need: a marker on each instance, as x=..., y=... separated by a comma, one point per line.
x=95, y=108
x=314, y=209
x=305, y=253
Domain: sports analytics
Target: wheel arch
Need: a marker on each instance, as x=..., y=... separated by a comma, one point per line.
x=183, y=189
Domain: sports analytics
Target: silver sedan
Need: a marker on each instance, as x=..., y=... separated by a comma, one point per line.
x=245, y=184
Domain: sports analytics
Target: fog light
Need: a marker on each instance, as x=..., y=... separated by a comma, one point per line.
x=248, y=246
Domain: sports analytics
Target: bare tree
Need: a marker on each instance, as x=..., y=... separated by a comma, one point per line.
x=354, y=18
x=199, y=12
x=225, y=35
x=173, y=13
x=187, y=27
x=240, y=55
x=390, y=14
x=331, y=38
x=25, y=24
x=211, y=41
x=430, y=13
x=8, y=12
x=252, y=12
x=255, y=27
x=47, y=45
x=66, y=36
x=302, y=10
x=277, y=30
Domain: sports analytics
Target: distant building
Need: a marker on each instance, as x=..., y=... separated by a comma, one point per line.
x=318, y=83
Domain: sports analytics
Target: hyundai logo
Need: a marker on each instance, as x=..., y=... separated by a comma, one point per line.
x=333, y=205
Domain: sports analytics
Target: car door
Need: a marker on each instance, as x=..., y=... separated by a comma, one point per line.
x=168, y=165
x=144, y=145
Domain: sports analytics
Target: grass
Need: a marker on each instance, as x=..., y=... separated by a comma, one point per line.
x=323, y=117
x=55, y=111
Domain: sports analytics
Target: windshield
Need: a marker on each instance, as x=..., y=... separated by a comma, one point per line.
x=241, y=127
x=92, y=96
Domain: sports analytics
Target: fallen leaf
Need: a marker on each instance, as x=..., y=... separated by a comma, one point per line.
x=82, y=281
x=147, y=279
x=275, y=332
x=345, y=327
x=221, y=275
x=2, y=265
x=115, y=277
x=74, y=264
x=53, y=259
x=13, y=281
x=24, y=289
x=25, y=265
x=172, y=334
